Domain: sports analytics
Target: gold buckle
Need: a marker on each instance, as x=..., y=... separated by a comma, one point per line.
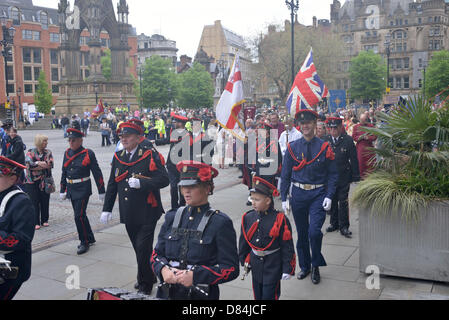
x=70, y=181
x=307, y=187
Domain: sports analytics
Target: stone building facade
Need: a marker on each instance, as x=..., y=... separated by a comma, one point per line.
x=158, y=45
x=36, y=48
x=221, y=45
x=417, y=29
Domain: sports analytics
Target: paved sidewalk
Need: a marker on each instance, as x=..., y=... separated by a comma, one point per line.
x=111, y=263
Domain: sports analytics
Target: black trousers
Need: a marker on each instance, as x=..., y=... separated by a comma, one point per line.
x=9, y=289
x=41, y=201
x=142, y=237
x=266, y=291
x=85, y=233
x=340, y=208
x=105, y=140
x=177, y=200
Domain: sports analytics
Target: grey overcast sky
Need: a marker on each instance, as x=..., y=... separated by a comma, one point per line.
x=183, y=21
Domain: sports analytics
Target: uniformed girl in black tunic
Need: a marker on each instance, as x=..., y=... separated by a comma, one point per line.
x=266, y=245
x=197, y=245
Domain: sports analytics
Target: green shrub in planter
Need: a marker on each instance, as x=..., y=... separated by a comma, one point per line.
x=413, y=169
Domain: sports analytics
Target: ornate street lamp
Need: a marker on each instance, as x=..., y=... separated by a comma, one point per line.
x=293, y=6
x=96, y=92
x=8, y=39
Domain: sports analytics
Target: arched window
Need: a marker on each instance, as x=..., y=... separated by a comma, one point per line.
x=14, y=14
x=42, y=17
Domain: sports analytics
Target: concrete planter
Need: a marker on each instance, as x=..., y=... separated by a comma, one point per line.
x=413, y=250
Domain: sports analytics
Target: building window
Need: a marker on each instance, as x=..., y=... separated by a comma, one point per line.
x=53, y=56
x=28, y=88
x=37, y=72
x=406, y=63
x=406, y=82
x=27, y=74
x=14, y=14
x=36, y=35
x=55, y=89
x=399, y=63
x=37, y=58
x=11, y=88
x=27, y=35
x=43, y=18
x=398, y=84
x=54, y=74
x=26, y=55
x=420, y=62
x=420, y=83
x=419, y=20
x=10, y=70
x=55, y=38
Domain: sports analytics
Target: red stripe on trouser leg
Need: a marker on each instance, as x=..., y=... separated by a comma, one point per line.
x=82, y=223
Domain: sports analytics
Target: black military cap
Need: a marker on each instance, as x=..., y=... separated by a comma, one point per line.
x=264, y=187
x=194, y=172
x=74, y=133
x=9, y=167
x=306, y=115
x=334, y=122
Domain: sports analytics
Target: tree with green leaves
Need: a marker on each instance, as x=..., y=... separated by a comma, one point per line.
x=196, y=88
x=43, y=98
x=106, y=64
x=159, y=84
x=437, y=75
x=367, y=73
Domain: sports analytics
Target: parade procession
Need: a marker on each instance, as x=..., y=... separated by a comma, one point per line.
x=308, y=163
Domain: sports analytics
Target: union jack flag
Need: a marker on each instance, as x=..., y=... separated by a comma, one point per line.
x=308, y=89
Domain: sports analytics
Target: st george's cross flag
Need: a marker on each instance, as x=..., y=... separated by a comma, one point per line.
x=99, y=110
x=308, y=89
x=230, y=107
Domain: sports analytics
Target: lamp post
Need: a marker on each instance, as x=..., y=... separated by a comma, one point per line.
x=388, y=52
x=293, y=6
x=19, y=92
x=96, y=92
x=140, y=86
x=8, y=39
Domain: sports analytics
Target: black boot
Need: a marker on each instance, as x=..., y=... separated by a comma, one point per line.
x=303, y=274
x=345, y=232
x=316, y=278
x=331, y=228
x=82, y=249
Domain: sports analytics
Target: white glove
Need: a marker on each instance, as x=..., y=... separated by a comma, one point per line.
x=106, y=217
x=327, y=204
x=285, y=206
x=134, y=183
x=63, y=196
x=286, y=276
x=101, y=197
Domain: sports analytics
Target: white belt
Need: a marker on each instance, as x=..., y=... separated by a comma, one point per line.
x=70, y=181
x=176, y=264
x=307, y=186
x=265, y=253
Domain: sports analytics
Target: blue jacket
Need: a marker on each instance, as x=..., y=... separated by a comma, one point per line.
x=321, y=171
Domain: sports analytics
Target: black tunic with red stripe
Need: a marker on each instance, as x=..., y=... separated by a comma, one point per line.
x=78, y=165
x=214, y=258
x=137, y=206
x=16, y=234
x=267, y=231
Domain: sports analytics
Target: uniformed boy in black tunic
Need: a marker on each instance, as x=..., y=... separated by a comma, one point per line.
x=197, y=245
x=16, y=229
x=77, y=165
x=137, y=175
x=266, y=246
x=348, y=172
